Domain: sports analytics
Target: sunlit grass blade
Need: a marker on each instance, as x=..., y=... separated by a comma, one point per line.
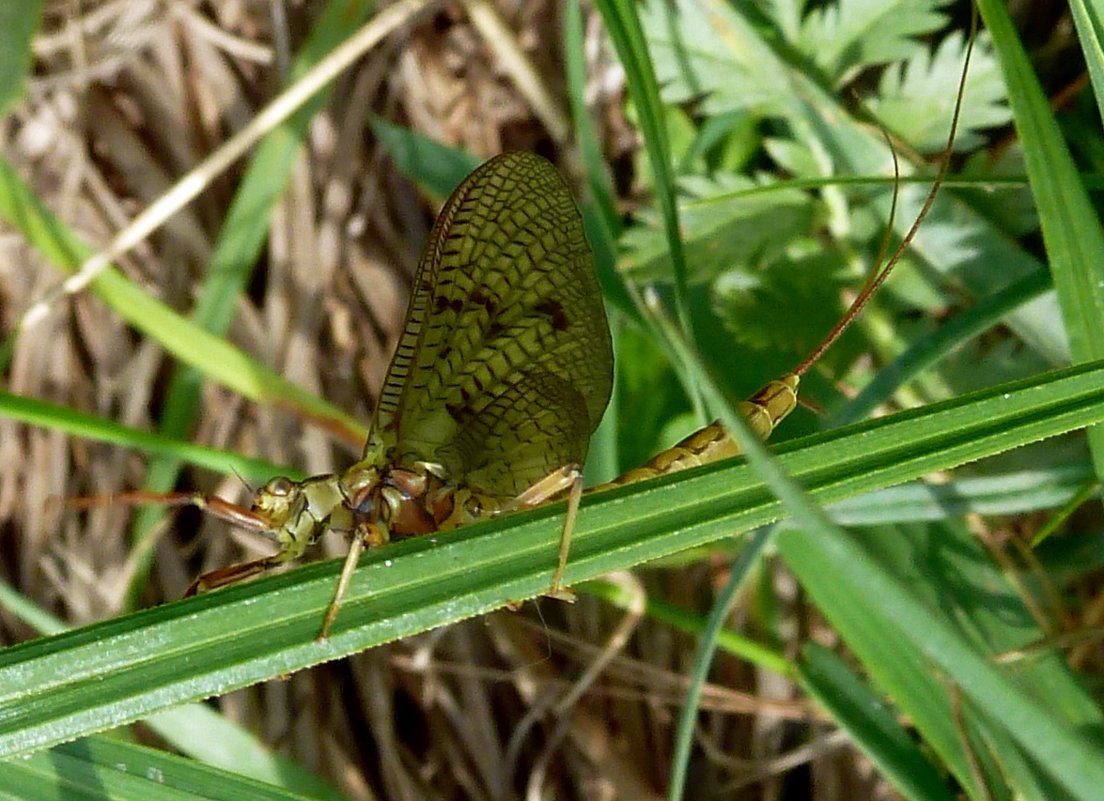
x=1071, y=226
x=111, y=673
x=623, y=24
x=100, y=767
x=926, y=660
x=193, y=729
x=86, y=426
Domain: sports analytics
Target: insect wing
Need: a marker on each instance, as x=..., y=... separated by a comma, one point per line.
x=504, y=367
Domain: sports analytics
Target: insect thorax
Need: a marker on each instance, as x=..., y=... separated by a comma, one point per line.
x=393, y=501
x=371, y=501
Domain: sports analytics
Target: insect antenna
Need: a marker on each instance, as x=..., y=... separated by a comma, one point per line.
x=879, y=275
x=209, y=504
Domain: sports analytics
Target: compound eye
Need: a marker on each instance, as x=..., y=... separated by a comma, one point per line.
x=280, y=487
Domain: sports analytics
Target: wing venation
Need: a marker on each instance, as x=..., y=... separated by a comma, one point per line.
x=504, y=367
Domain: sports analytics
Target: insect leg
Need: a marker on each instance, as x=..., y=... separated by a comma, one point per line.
x=370, y=535
x=356, y=548
x=232, y=574
x=569, y=477
x=211, y=504
x=556, y=589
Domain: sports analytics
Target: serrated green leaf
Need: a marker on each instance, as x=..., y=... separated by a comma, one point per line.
x=850, y=34
x=790, y=306
x=916, y=97
x=695, y=63
x=728, y=223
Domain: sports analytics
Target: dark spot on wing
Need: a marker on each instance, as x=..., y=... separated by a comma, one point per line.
x=554, y=311
x=481, y=298
x=443, y=303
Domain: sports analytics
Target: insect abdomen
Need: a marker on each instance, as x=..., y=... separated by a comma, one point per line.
x=763, y=411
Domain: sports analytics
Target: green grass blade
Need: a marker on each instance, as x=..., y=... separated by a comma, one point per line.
x=193, y=729
x=624, y=28
x=435, y=167
x=103, y=768
x=1088, y=16
x=871, y=724
x=925, y=657
x=18, y=24
x=603, y=224
x=741, y=569
x=111, y=673
x=1002, y=492
x=1072, y=233
x=63, y=418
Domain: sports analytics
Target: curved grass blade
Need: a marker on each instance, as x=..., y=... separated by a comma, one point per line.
x=1071, y=226
x=91, y=679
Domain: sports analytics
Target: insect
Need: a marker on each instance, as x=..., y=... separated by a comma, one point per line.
x=502, y=372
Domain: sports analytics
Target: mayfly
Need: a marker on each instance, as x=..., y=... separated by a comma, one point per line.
x=502, y=372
